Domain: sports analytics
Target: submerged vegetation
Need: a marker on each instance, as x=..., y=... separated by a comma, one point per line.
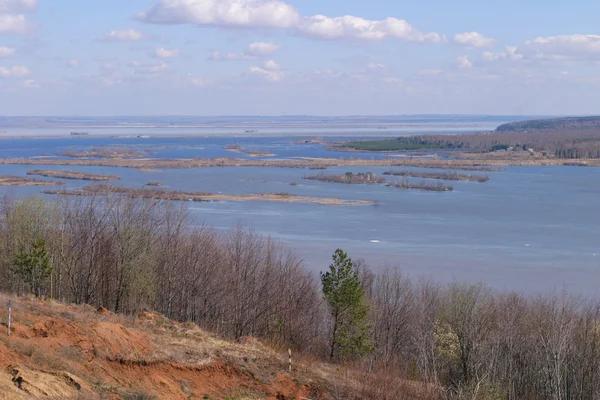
x=458, y=341
x=447, y=176
x=238, y=148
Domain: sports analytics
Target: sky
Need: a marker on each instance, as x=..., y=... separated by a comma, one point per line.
x=299, y=57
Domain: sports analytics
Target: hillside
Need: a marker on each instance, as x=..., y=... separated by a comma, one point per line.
x=592, y=122
x=76, y=352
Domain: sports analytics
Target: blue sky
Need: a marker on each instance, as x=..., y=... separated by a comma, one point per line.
x=274, y=57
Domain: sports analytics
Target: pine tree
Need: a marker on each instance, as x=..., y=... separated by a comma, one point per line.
x=345, y=296
x=34, y=266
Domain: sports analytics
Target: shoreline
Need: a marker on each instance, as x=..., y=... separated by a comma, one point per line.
x=241, y=135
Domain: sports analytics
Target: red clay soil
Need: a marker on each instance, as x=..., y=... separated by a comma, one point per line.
x=65, y=352
x=77, y=352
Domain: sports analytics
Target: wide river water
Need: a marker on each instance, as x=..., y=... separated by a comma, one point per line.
x=528, y=229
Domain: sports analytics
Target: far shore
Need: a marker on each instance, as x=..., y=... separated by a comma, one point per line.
x=241, y=135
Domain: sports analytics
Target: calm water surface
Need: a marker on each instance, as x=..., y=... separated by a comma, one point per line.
x=527, y=229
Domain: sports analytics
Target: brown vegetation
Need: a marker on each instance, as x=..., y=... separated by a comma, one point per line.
x=159, y=194
x=348, y=178
x=76, y=352
x=479, y=161
x=103, y=152
x=9, y=180
x=423, y=185
x=459, y=341
x=73, y=175
x=447, y=176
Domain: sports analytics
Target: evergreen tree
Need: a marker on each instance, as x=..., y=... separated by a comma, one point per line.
x=345, y=296
x=34, y=266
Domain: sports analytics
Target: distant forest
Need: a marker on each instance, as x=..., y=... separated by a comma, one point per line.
x=552, y=124
x=565, y=138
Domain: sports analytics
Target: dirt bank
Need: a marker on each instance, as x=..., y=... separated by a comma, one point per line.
x=77, y=352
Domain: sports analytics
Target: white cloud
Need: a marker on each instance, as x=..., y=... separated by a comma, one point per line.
x=473, y=39
x=376, y=67
x=125, y=35
x=272, y=65
x=394, y=81
x=14, y=24
x=509, y=54
x=198, y=81
x=73, y=63
x=349, y=27
x=277, y=14
x=429, y=72
x=30, y=84
x=18, y=6
x=270, y=71
x=140, y=68
x=219, y=56
x=552, y=49
x=562, y=48
x=464, y=62
x=254, y=51
x=110, y=66
x=6, y=52
x=241, y=13
x=259, y=49
x=328, y=73
x=14, y=72
x=162, y=52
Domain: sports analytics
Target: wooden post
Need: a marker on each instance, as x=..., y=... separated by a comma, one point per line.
x=290, y=360
x=9, y=315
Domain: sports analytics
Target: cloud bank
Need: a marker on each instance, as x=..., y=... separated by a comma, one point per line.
x=274, y=14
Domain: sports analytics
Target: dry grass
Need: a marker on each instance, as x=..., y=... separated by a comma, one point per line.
x=148, y=356
x=73, y=175
x=159, y=194
x=462, y=161
x=9, y=180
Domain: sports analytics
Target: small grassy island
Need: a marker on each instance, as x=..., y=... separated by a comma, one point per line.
x=348, y=178
x=160, y=194
x=102, y=152
x=446, y=176
x=409, y=143
x=9, y=180
x=423, y=185
x=73, y=175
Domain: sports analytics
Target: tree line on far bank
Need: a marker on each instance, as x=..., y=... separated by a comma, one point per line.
x=131, y=255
